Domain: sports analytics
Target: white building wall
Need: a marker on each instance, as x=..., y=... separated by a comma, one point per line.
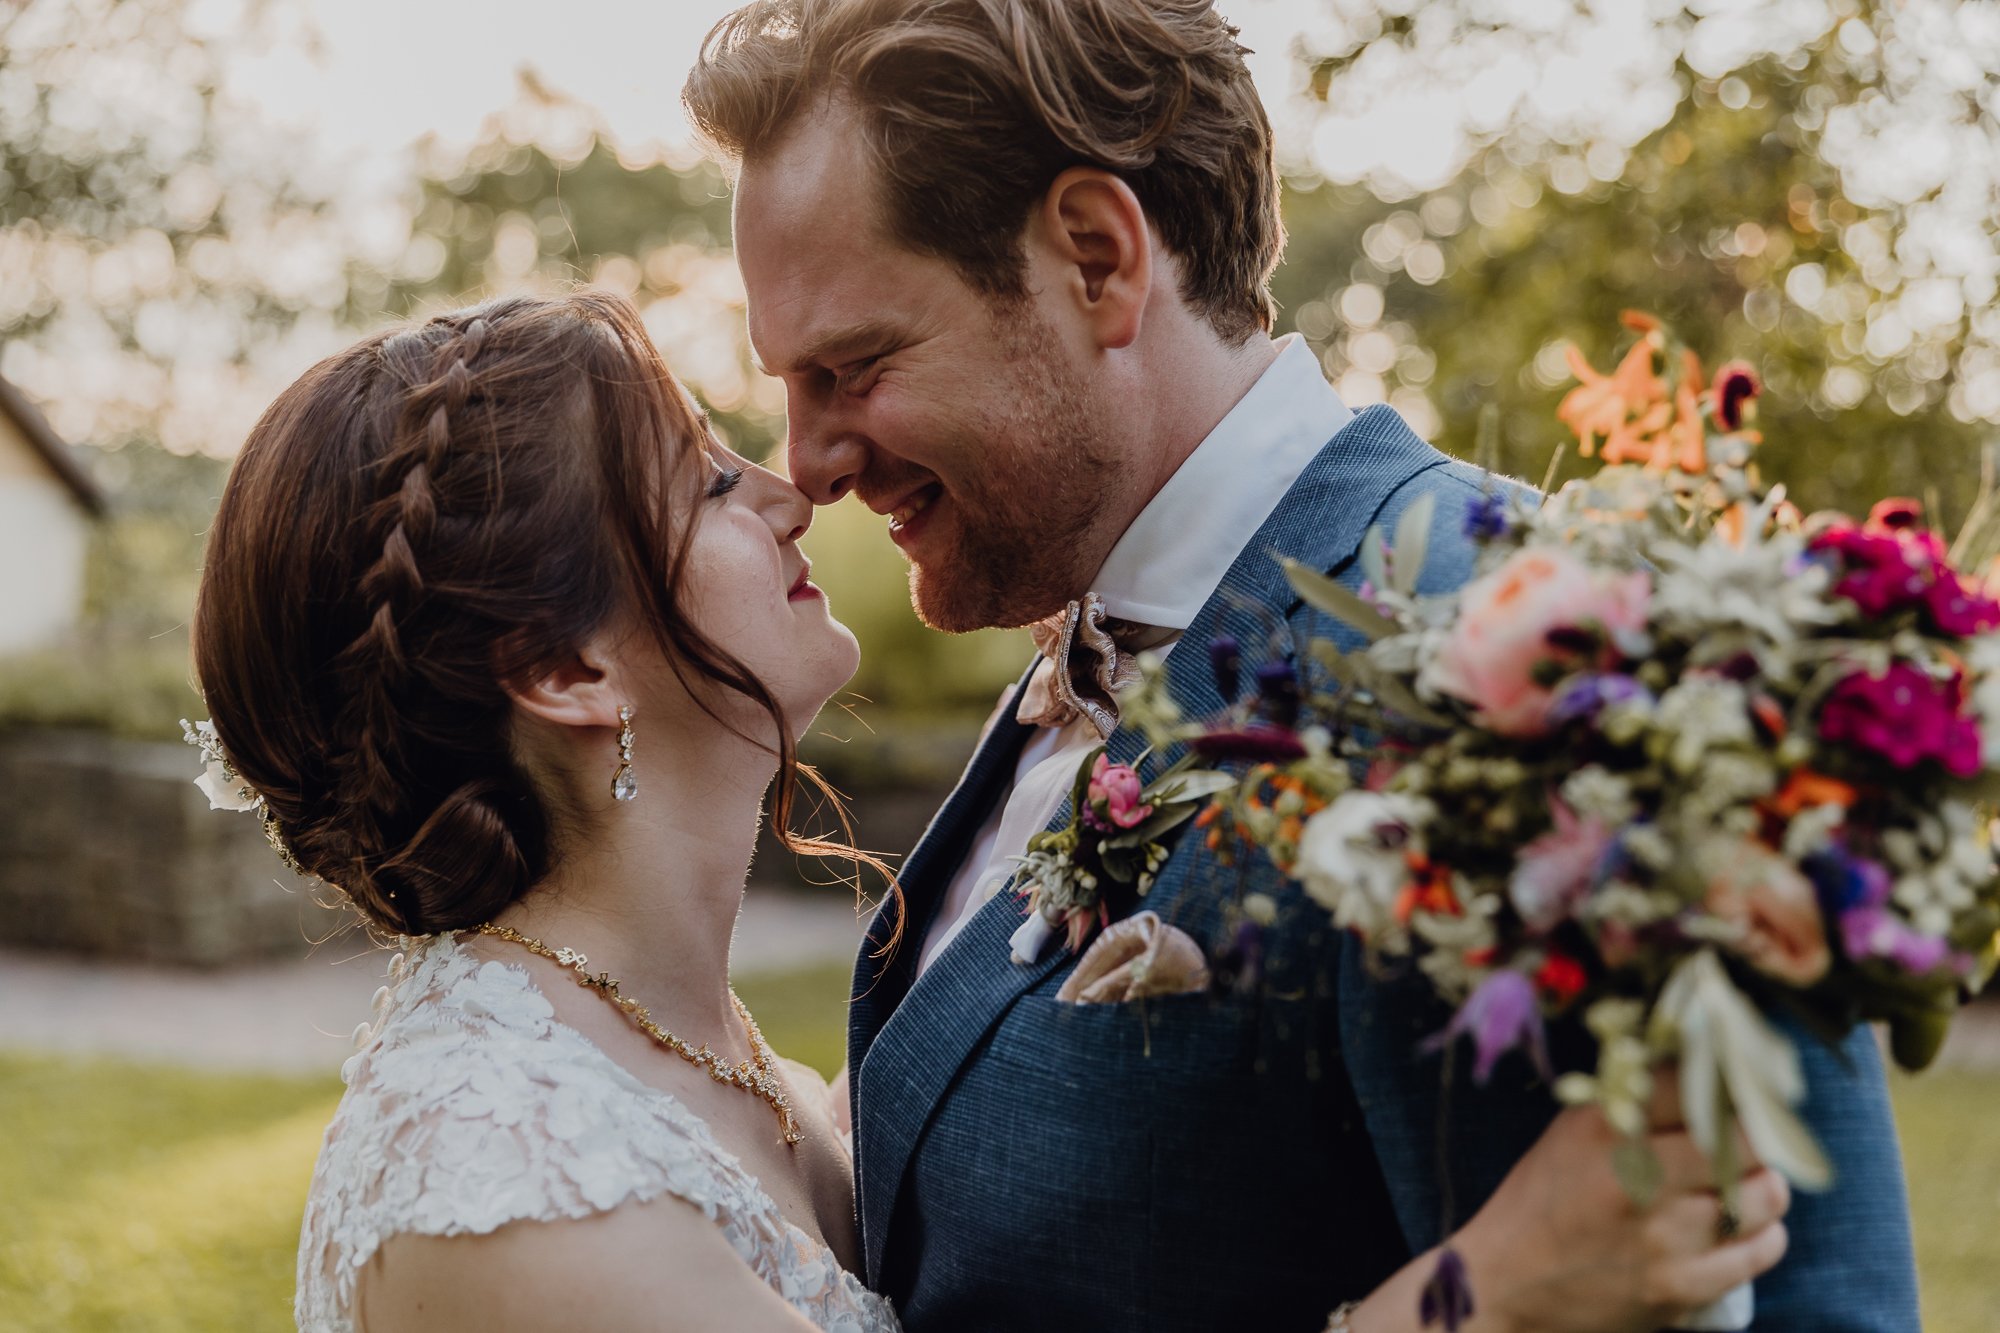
x=43, y=537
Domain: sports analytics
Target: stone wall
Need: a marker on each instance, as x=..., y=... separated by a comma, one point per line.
x=107, y=847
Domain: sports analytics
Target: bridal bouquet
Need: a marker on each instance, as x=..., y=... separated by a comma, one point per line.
x=1676, y=758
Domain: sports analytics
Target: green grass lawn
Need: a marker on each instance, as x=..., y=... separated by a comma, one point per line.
x=160, y=1201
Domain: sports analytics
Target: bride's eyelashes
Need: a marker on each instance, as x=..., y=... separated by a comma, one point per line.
x=724, y=482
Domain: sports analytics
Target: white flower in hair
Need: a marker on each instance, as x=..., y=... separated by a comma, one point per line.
x=219, y=780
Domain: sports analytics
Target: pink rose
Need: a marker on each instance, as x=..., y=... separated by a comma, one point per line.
x=1510, y=623
x=1773, y=905
x=1114, y=794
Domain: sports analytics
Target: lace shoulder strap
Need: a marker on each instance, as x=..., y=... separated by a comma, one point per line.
x=469, y=1107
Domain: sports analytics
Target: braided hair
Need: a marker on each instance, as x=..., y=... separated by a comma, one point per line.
x=440, y=510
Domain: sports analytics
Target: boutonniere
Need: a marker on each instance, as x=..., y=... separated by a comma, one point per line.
x=1111, y=844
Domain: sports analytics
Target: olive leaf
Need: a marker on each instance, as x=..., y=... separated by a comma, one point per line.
x=1325, y=594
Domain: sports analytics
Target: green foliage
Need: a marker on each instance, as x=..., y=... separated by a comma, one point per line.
x=143, y=1199
x=1477, y=285
x=150, y=1200
x=103, y=679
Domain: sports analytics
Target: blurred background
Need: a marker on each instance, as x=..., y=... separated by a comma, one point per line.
x=197, y=200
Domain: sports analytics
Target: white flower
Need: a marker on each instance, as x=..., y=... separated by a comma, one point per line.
x=1700, y=712
x=1595, y=792
x=1353, y=855
x=1760, y=585
x=1982, y=663
x=224, y=790
x=219, y=781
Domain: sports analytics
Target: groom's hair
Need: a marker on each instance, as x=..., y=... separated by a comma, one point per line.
x=972, y=108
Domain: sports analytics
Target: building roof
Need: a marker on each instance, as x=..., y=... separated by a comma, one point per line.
x=43, y=440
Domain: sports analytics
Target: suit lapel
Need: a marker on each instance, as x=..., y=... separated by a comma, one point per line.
x=923, y=1033
x=881, y=978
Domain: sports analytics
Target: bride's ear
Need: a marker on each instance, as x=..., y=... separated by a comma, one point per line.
x=582, y=691
x=1097, y=230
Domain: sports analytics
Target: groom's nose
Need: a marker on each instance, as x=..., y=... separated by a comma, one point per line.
x=825, y=460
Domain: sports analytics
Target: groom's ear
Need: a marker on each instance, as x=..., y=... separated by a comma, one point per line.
x=1096, y=230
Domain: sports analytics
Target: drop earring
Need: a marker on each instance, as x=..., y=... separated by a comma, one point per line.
x=624, y=786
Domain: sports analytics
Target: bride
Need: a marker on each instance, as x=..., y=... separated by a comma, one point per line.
x=510, y=650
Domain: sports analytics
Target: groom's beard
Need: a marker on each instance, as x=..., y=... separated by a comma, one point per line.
x=1022, y=526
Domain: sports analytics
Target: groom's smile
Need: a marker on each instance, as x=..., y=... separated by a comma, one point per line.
x=962, y=417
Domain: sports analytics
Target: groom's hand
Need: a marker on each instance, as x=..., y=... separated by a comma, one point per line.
x=1562, y=1245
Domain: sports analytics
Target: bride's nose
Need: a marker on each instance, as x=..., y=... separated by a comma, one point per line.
x=783, y=505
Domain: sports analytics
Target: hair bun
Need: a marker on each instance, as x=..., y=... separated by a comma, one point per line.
x=464, y=863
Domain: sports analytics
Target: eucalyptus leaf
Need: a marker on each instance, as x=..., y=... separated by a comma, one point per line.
x=1413, y=539
x=1731, y=1056
x=1196, y=786
x=1325, y=594
x=1339, y=665
x=1374, y=559
x=1398, y=698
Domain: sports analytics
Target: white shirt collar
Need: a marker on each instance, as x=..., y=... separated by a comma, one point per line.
x=1173, y=557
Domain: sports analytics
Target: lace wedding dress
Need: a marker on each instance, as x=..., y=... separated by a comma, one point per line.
x=469, y=1107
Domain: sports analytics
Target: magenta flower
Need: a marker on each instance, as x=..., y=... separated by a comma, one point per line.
x=1905, y=716
x=1957, y=608
x=1254, y=744
x=1501, y=1014
x=1881, y=571
x=1114, y=794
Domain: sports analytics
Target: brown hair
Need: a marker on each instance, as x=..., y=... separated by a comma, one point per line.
x=971, y=108
x=439, y=509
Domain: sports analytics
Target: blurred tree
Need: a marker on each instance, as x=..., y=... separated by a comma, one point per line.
x=160, y=250
x=1744, y=218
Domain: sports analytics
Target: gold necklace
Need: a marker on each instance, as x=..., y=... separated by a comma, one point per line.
x=754, y=1075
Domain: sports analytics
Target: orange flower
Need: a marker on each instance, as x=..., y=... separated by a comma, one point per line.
x=1602, y=404
x=1429, y=890
x=1687, y=437
x=1806, y=788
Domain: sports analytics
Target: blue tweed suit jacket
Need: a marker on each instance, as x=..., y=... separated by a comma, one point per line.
x=1238, y=1162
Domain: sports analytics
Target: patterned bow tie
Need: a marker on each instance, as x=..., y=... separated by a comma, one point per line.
x=1088, y=656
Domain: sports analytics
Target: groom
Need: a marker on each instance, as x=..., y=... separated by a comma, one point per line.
x=1009, y=258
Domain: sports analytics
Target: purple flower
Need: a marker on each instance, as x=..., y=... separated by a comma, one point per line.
x=1225, y=659
x=1239, y=965
x=1589, y=694
x=1448, y=1294
x=1904, y=715
x=1501, y=1014
x=1278, y=689
x=1486, y=518
x=1855, y=891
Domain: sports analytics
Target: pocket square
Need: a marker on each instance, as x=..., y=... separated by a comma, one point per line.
x=1139, y=956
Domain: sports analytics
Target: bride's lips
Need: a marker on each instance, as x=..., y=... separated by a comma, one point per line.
x=910, y=517
x=802, y=590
